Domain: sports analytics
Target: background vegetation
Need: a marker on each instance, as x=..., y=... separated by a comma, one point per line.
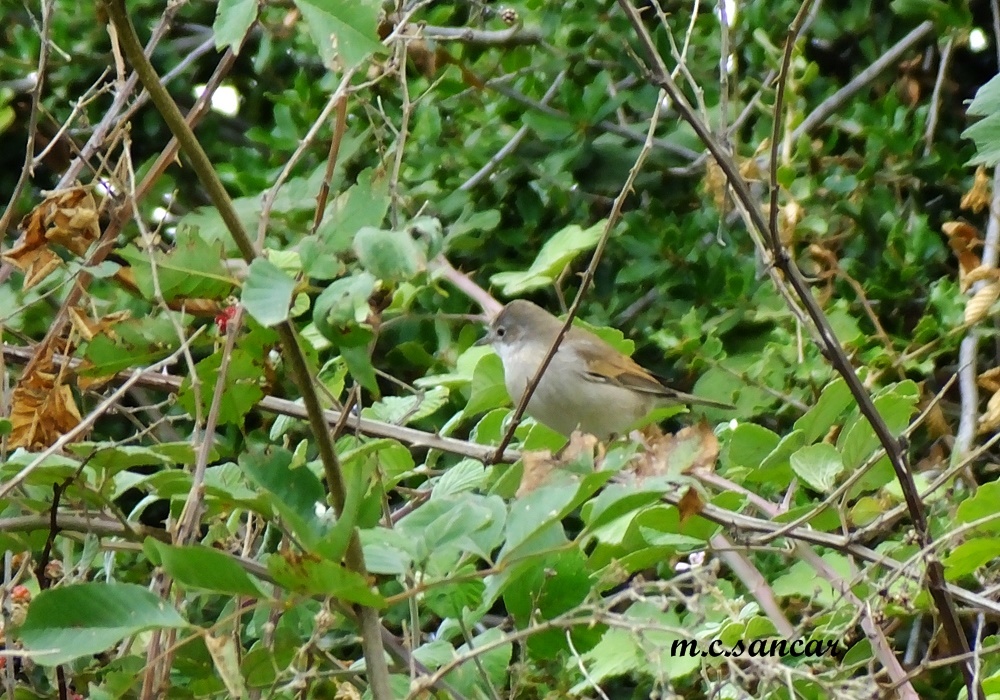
x=179, y=517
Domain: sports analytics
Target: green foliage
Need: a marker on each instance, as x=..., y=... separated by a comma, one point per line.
x=66, y=623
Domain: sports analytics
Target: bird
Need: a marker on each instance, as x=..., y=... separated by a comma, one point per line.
x=588, y=386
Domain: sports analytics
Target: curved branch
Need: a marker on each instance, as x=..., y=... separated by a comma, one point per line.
x=658, y=74
x=417, y=438
x=370, y=627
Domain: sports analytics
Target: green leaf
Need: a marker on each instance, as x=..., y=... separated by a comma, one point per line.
x=896, y=404
x=984, y=505
x=343, y=305
x=447, y=524
x=986, y=135
x=233, y=19
x=297, y=493
x=365, y=203
x=750, y=444
x=818, y=466
x=389, y=255
x=344, y=29
x=488, y=388
x=970, y=555
x=311, y=576
x=801, y=581
x=267, y=293
x=360, y=366
x=107, y=356
x=548, y=127
x=242, y=390
x=494, y=663
x=193, y=269
x=833, y=402
x=776, y=466
x=452, y=599
x=403, y=410
x=987, y=99
x=52, y=469
x=72, y=621
x=617, y=654
x=549, y=504
x=940, y=11
x=386, y=551
x=200, y=567
x=865, y=511
x=615, y=502
x=558, y=252
x=467, y=475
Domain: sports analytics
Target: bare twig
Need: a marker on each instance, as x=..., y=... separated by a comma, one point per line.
x=410, y=436
x=28, y=169
x=588, y=277
x=370, y=627
x=514, y=142
x=659, y=75
x=85, y=424
x=935, y=108
x=191, y=513
x=605, y=125
x=513, y=36
x=755, y=583
x=830, y=105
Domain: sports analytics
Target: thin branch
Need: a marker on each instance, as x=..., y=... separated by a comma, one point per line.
x=968, y=349
x=830, y=105
x=378, y=671
x=659, y=75
x=935, y=109
x=588, y=277
x=754, y=581
x=87, y=422
x=410, y=436
x=514, y=142
x=604, y=125
x=191, y=513
x=513, y=36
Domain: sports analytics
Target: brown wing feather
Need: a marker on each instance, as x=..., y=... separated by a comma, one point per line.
x=605, y=364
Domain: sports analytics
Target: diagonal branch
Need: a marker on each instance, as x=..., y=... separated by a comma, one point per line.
x=378, y=671
x=588, y=277
x=171, y=384
x=658, y=74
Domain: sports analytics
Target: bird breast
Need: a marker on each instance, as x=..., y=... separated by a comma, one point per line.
x=567, y=398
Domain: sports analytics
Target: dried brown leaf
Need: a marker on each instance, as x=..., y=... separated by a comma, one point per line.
x=937, y=424
x=980, y=303
x=690, y=504
x=964, y=241
x=990, y=420
x=990, y=380
x=538, y=468
x=978, y=197
x=42, y=408
x=693, y=448
x=68, y=218
x=978, y=274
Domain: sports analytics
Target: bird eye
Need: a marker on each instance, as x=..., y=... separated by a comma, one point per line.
x=501, y=332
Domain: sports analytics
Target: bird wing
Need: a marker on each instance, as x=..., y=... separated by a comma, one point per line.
x=607, y=365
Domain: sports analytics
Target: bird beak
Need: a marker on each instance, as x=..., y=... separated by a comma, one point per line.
x=486, y=339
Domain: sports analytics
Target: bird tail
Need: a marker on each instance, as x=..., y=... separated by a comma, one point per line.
x=692, y=400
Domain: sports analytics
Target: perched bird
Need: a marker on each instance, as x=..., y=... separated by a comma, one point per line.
x=588, y=385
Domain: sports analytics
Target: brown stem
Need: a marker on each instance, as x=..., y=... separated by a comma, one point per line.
x=658, y=75
x=378, y=671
